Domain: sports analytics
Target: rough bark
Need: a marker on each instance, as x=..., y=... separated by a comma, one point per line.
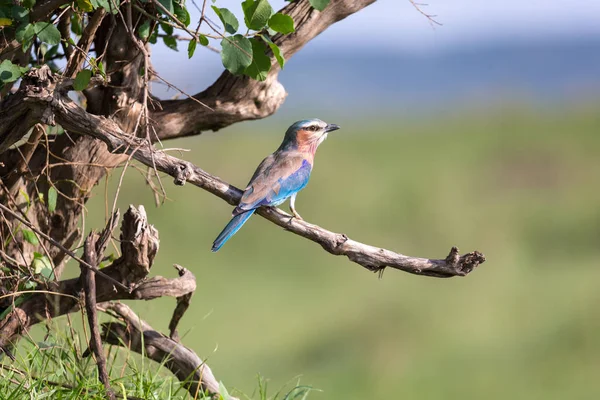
x=74, y=163
x=139, y=244
x=75, y=119
x=238, y=98
x=139, y=336
x=109, y=132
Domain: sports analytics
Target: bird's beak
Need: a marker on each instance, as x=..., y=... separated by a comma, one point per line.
x=331, y=127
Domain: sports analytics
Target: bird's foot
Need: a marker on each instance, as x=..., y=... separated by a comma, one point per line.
x=297, y=216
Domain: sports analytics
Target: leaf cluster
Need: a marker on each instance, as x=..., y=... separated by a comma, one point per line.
x=243, y=51
x=247, y=54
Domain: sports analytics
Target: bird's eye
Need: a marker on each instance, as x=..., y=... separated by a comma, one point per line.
x=314, y=128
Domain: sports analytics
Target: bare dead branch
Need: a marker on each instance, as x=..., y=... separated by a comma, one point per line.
x=139, y=244
x=60, y=246
x=73, y=118
x=139, y=336
x=183, y=302
x=83, y=45
x=93, y=243
x=430, y=17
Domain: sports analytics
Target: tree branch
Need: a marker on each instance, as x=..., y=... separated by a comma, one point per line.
x=139, y=336
x=74, y=119
x=239, y=98
x=139, y=244
x=83, y=45
x=92, y=253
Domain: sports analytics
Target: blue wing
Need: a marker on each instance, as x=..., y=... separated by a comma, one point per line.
x=275, y=182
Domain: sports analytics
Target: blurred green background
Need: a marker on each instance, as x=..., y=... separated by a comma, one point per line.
x=516, y=182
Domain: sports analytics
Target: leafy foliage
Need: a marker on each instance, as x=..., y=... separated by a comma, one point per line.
x=10, y=72
x=256, y=13
x=52, y=193
x=282, y=23
x=236, y=54
x=81, y=82
x=246, y=53
x=261, y=63
x=227, y=18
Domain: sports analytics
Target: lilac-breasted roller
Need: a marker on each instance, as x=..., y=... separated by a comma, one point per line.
x=281, y=175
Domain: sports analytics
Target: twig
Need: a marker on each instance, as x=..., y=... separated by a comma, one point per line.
x=74, y=118
x=60, y=246
x=83, y=46
x=430, y=17
x=92, y=252
x=183, y=302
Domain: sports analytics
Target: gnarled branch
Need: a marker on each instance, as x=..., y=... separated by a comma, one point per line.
x=73, y=118
x=238, y=98
x=139, y=244
x=139, y=336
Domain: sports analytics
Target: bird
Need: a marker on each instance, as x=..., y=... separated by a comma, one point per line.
x=279, y=176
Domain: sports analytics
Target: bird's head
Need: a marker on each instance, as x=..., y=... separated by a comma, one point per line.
x=308, y=134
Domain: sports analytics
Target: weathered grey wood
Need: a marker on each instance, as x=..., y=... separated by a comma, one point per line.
x=139, y=336
x=73, y=118
x=139, y=244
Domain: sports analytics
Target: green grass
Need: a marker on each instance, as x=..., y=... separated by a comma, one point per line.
x=54, y=368
x=519, y=185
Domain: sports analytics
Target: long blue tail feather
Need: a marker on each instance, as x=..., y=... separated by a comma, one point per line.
x=232, y=227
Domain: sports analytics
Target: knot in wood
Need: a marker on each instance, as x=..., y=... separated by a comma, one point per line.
x=182, y=173
x=340, y=240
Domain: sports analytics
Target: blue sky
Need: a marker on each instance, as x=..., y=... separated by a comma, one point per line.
x=466, y=22
x=395, y=27
x=395, y=24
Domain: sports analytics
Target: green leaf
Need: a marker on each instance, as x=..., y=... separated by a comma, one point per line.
x=171, y=42
x=144, y=30
x=47, y=32
x=85, y=5
x=257, y=13
x=227, y=18
x=168, y=29
x=101, y=69
x=5, y=21
x=9, y=72
x=81, y=82
x=52, y=194
x=282, y=23
x=25, y=196
x=192, y=48
x=203, y=40
x=28, y=286
x=276, y=51
x=153, y=36
x=236, y=53
x=28, y=3
x=182, y=14
x=109, y=5
x=168, y=4
x=20, y=14
x=24, y=35
x=42, y=266
x=30, y=237
x=261, y=63
x=319, y=4
x=76, y=25
x=52, y=51
x=223, y=391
